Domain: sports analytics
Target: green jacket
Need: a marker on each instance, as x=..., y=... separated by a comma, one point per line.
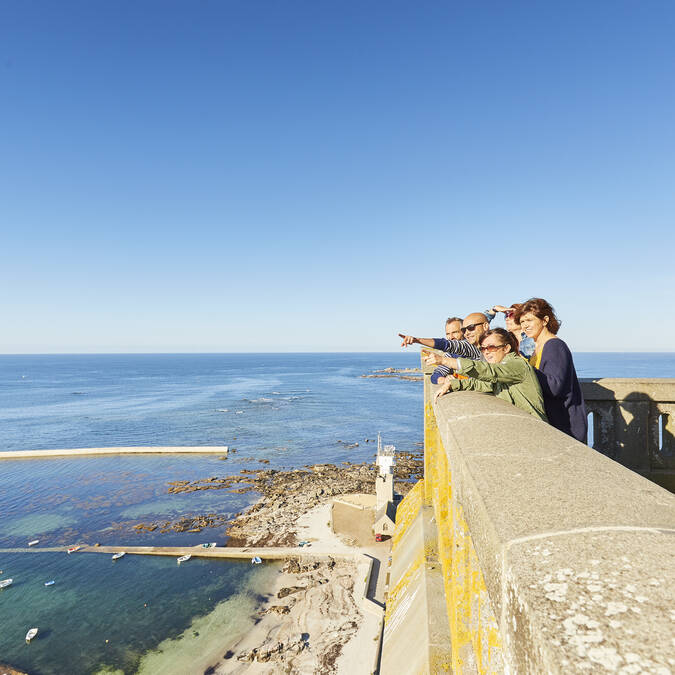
x=513, y=380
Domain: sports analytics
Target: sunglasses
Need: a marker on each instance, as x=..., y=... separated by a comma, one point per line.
x=472, y=327
x=491, y=348
x=509, y=313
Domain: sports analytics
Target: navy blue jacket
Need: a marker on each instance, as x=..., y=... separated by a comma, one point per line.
x=563, y=400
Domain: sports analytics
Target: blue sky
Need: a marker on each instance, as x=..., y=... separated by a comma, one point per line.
x=317, y=176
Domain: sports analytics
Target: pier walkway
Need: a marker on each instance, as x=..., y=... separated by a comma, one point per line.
x=129, y=450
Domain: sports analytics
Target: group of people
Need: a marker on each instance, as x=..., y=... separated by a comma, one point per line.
x=526, y=364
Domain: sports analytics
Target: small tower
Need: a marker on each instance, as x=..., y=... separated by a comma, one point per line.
x=384, y=482
x=385, y=510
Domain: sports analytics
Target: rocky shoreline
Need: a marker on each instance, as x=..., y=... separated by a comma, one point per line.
x=307, y=631
x=284, y=497
x=313, y=613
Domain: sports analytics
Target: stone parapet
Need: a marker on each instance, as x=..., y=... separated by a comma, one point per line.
x=633, y=422
x=576, y=553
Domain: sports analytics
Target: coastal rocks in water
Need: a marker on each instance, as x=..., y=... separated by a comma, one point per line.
x=289, y=590
x=401, y=373
x=8, y=670
x=285, y=496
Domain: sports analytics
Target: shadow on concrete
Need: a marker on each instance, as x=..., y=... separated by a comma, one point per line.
x=375, y=581
x=645, y=444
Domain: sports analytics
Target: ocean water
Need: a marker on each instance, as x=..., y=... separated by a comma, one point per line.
x=289, y=410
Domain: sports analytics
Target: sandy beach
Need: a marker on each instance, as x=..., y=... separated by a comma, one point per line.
x=317, y=618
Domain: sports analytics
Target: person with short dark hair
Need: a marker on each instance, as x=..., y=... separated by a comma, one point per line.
x=453, y=331
x=504, y=373
x=555, y=370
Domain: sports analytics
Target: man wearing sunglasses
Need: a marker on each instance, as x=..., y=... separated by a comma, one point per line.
x=473, y=328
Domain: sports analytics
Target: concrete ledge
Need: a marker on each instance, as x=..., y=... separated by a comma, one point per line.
x=623, y=389
x=577, y=552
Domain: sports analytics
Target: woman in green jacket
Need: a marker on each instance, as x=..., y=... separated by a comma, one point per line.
x=504, y=373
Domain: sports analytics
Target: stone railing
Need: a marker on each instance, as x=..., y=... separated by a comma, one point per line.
x=633, y=422
x=525, y=551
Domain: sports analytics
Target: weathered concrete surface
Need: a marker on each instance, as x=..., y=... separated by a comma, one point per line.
x=565, y=538
x=416, y=635
x=140, y=450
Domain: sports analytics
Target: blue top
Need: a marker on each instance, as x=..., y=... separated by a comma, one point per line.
x=563, y=401
x=527, y=346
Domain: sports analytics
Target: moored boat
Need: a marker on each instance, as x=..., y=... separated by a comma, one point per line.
x=6, y=582
x=72, y=549
x=31, y=634
x=256, y=560
x=183, y=558
x=209, y=545
x=34, y=542
x=117, y=556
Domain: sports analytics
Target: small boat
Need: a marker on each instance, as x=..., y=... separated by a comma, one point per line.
x=255, y=560
x=34, y=542
x=72, y=549
x=49, y=583
x=31, y=634
x=5, y=583
x=117, y=556
x=183, y=558
x=210, y=545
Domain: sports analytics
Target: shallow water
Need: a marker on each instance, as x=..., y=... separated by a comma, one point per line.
x=290, y=410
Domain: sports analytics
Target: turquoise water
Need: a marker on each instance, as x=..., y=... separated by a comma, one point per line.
x=290, y=410
x=104, y=614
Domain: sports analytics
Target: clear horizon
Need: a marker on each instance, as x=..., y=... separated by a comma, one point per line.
x=129, y=353
x=260, y=177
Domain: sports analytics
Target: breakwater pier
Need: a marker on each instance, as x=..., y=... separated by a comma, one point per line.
x=525, y=551
x=125, y=450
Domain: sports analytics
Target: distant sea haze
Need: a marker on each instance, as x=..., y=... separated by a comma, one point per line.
x=286, y=410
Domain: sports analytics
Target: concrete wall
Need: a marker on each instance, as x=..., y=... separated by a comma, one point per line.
x=553, y=558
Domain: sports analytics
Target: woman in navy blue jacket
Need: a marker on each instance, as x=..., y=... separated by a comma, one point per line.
x=554, y=366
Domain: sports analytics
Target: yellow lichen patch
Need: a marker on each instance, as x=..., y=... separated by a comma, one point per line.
x=470, y=617
x=407, y=511
x=397, y=591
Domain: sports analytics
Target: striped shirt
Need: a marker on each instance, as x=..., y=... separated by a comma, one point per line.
x=455, y=348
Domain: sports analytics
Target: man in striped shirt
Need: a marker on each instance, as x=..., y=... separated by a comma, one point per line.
x=473, y=328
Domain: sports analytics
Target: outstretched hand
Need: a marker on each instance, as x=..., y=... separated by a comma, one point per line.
x=407, y=340
x=431, y=359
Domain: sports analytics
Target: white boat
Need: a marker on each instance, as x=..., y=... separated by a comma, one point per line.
x=72, y=549
x=117, y=556
x=49, y=583
x=183, y=558
x=255, y=560
x=5, y=583
x=34, y=542
x=31, y=634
